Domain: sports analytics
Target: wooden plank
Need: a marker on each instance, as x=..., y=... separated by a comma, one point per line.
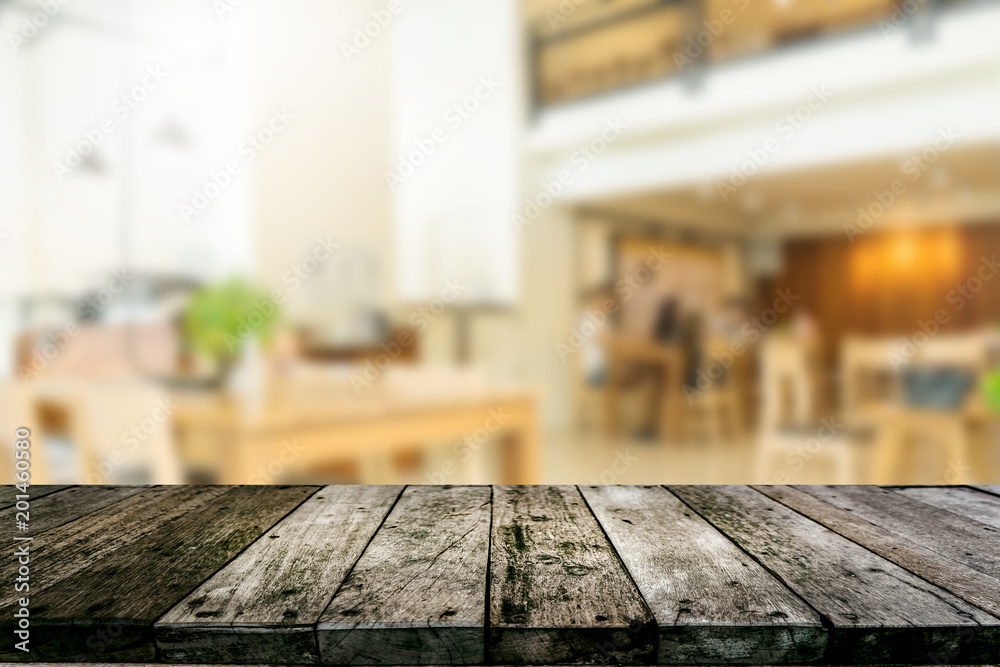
x=558, y=592
x=262, y=606
x=106, y=611
x=969, y=584
x=418, y=594
x=950, y=535
x=875, y=610
x=55, y=509
x=970, y=503
x=36, y=491
x=987, y=488
x=75, y=546
x=712, y=602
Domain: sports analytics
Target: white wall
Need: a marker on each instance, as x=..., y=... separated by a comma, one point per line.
x=457, y=125
x=325, y=174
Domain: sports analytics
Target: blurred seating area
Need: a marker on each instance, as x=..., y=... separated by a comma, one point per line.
x=555, y=241
x=807, y=371
x=129, y=404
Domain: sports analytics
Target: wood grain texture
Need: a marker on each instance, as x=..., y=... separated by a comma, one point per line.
x=55, y=509
x=263, y=605
x=876, y=611
x=418, y=594
x=732, y=575
x=35, y=491
x=965, y=582
x=106, y=611
x=558, y=592
x=946, y=533
x=970, y=503
x=712, y=602
x=81, y=544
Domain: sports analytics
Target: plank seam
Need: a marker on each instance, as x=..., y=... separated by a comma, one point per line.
x=487, y=658
x=980, y=489
x=96, y=509
x=350, y=570
x=33, y=498
x=826, y=622
x=878, y=555
x=943, y=509
x=156, y=646
x=656, y=622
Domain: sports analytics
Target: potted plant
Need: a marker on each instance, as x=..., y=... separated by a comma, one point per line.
x=221, y=320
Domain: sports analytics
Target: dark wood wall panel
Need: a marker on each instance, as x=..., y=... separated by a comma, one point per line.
x=886, y=283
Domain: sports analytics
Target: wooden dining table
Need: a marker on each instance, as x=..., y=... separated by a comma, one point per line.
x=509, y=575
x=315, y=419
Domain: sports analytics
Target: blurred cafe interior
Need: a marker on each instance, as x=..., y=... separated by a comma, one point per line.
x=503, y=241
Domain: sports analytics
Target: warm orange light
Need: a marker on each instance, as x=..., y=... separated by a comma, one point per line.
x=905, y=255
x=903, y=250
x=864, y=264
x=946, y=250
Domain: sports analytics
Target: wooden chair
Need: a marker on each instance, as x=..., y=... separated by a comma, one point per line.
x=141, y=410
x=792, y=398
x=954, y=432
x=95, y=419
x=867, y=379
x=667, y=360
x=716, y=411
x=15, y=413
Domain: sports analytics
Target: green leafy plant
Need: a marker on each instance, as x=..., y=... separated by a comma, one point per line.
x=221, y=319
x=991, y=389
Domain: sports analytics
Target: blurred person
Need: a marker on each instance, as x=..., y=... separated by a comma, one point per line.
x=600, y=300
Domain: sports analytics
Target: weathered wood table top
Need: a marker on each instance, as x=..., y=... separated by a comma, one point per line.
x=441, y=575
